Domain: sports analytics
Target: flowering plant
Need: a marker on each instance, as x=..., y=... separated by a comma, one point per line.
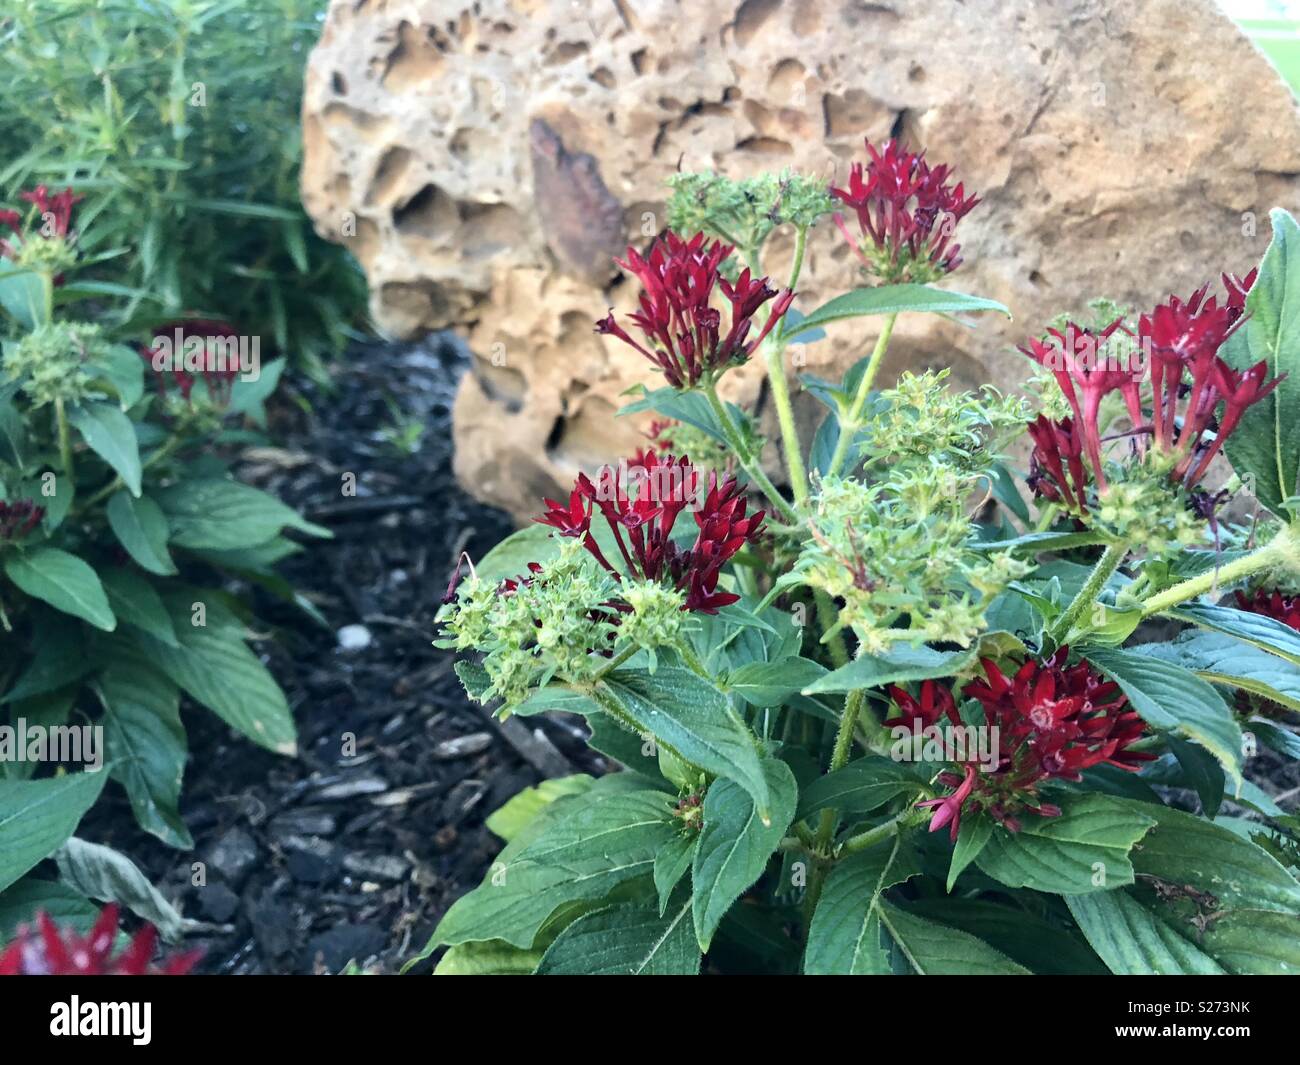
x=121, y=532
x=898, y=715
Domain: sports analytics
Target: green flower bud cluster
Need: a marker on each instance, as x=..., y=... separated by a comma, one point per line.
x=48, y=255
x=549, y=624
x=1140, y=508
x=656, y=618
x=920, y=419
x=50, y=362
x=900, y=551
x=745, y=211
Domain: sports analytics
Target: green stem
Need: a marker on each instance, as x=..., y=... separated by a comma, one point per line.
x=65, y=441
x=615, y=662
x=849, y=426
x=826, y=614
x=883, y=831
x=1282, y=550
x=840, y=758
x=748, y=462
x=1092, y=588
x=774, y=355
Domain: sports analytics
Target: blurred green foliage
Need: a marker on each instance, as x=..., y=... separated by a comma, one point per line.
x=179, y=121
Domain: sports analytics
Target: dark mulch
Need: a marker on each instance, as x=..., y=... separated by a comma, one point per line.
x=354, y=848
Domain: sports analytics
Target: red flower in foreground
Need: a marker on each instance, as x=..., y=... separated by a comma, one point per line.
x=681, y=326
x=936, y=702
x=906, y=211
x=62, y=952
x=643, y=521
x=1053, y=721
x=1271, y=603
x=55, y=219
x=18, y=518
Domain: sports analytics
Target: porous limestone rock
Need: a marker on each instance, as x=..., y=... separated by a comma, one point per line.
x=485, y=160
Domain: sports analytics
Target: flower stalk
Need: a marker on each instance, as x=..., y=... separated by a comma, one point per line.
x=849, y=426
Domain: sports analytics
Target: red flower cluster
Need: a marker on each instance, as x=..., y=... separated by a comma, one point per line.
x=682, y=328
x=18, y=518
x=1053, y=721
x=55, y=216
x=178, y=334
x=642, y=525
x=907, y=211
x=1185, y=383
x=62, y=952
x=1272, y=604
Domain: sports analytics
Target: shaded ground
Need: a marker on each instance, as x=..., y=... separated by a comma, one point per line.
x=353, y=851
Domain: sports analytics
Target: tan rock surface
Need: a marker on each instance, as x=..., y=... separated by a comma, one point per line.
x=484, y=160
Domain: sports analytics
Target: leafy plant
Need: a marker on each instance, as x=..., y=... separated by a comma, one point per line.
x=180, y=122
x=884, y=724
x=120, y=528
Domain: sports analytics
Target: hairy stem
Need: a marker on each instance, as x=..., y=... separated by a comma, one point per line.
x=65, y=441
x=749, y=463
x=1282, y=551
x=1092, y=588
x=849, y=426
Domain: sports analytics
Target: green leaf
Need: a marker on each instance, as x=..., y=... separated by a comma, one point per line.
x=893, y=299
x=589, y=849
x=37, y=816
x=510, y=557
x=938, y=950
x=25, y=294
x=1173, y=699
x=904, y=664
x=972, y=837
x=109, y=433
x=517, y=811
x=221, y=515
x=696, y=720
x=845, y=937
x=59, y=657
x=671, y=864
x=1222, y=659
x=110, y=876
x=64, y=581
x=1264, y=632
x=489, y=958
x=13, y=435
x=1036, y=542
x=141, y=528
x=122, y=370
x=1265, y=447
x=145, y=739
x=626, y=941
x=1201, y=771
x=1085, y=849
x=1133, y=941
x=859, y=787
x=773, y=683
x=735, y=844
x=1186, y=851
x=67, y=907
x=135, y=601
x=215, y=667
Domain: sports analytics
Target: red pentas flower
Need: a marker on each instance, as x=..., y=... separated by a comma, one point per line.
x=55, y=216
x=1183, y=399
x=55, y=951
x=1053, y=721
x=183, y=352
x=1056, y=470
x=681, y=326
x=18, y=518
x=907, y=212
x=641, y=505
x=1272, y=603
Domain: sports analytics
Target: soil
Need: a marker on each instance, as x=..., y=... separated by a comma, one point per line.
x=353, y=849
